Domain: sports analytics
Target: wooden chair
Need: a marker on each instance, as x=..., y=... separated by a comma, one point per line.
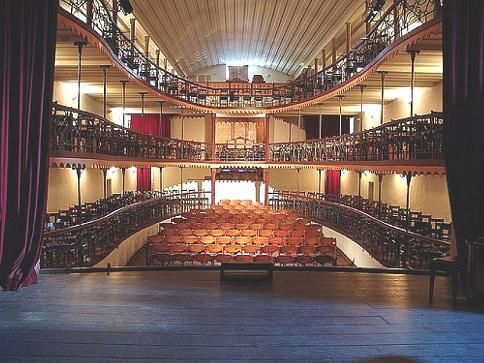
x=244, y=258
x=294, y=241
x=232, y=249
x=289, y=250
x=160, y=248
x=191, y=239
x=177, y=248
x=264, y=259
x=277, y=241
x=248, y=232
x=324, y=260
x=270, y=250
x=216, y=232
x=224, y=240
x=284, y=260
x=206, y=240
x=172, y=239
x=203, y=258
x=214, y=249
x=297, y=233
x=449, y=264
x=243, y=240
x=241, y=226
x=162, y=258
x=222, y=258
x=158, y=238
x=196, y=248
x=250, y=249
x=266, y=233
x=307, y=250
x=281, y=233
x=305, y=260
x=182, y=258
x=185, y=232
x=260, y=241
x=312, y=241
x=200, y=232
x=232, y=232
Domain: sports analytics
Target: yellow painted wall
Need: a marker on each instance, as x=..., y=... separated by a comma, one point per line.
x=194, y=128
x=279, y=131
x=287, y=179
x=62, y=192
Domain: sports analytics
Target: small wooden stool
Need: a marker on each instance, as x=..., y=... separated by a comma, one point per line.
x=449, y=264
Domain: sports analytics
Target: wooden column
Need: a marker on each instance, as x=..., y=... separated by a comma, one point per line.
x=161, y=179
x=333, y=51
x=382, y=76
x=380, y=182
x=265, y=177
x=132, y=36
x=213, y=122
x=320, y=175
x=157, y=53
x=115, y=22
x=105, y=68
x=266, y=137
x=147, y=55
x=89, y=10
x=348, y=37
x=316, y=65
x=407, y=206
x=105, y=177
x=413, y=54
x=367, y=23
x=123, y=172
x=212, y=189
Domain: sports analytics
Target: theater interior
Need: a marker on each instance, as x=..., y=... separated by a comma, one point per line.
x=236, y=180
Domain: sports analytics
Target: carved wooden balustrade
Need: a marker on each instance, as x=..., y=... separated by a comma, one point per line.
x=84, y=132
x=423, y=224
x=418, y=137
x=91, y=211
x=390, y=245
x=88, y=243
x=230, y=152
x=401, y=17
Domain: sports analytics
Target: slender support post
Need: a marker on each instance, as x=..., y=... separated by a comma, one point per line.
x=132, y=34
x=182, y=133
x=265, y=177
x=340, y=114
x=297, y=180
x=105, y=68
x=147, y=55
x=380, y=182
x=320, y=172
x=367, y=23
x=123, y=95
x=299, y=118
x=407, y=206
x=79, y=44
x=362, y=88
x=161, y=179
x=212, y=189
x=333, y=51
x=114, y=25
x=157, y=53
x=382, y=75
x=105, y=177
x=142, y=94
x=320, y=133
x=323, y=65
x=266, y=137
x=123, y=172
x=316, y=66
x=79, y=199
x=348, y=38
x=413, y=54
x=213, y=121
x=396, y=21
x=290, y=131
x=181, y=179
x=359, y=184
x=89, y=10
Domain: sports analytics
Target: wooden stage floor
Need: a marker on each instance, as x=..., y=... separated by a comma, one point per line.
x=191, y=315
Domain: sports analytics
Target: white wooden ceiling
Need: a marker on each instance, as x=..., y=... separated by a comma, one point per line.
x=284, y=35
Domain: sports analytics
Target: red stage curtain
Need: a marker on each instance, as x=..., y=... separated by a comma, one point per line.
x=332, y=185
x=27, y=51
x=463, y=41
x=150, y=124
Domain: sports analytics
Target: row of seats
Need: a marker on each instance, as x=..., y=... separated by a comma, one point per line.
x=204, y=259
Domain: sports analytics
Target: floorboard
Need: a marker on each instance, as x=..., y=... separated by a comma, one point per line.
x=192, y=316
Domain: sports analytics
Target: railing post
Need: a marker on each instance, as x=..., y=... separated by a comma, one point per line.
x=89, y=9
x=413, y=54
x=382, y=77
x=265, y=177
x=266, y=138
x=213, y=119
x=380, y=181
x=123, y=100
x=407, y=207
x=212, y=189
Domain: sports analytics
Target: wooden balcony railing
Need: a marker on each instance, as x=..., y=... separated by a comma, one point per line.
x=83, y=132
x=88, y=243
x=390, y=245
x=90, y=211
x=412, y=138
x=401, y=17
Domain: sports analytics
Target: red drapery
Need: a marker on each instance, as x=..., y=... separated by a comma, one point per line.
x=150, y=124
x=463, y=43
x=332, y=185
x=27, y=51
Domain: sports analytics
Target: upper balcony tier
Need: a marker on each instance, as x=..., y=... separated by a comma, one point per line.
x=409, y=145
x=401, y=25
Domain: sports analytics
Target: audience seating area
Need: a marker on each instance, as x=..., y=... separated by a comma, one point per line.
x=241, y=231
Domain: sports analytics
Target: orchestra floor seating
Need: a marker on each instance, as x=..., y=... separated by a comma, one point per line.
x=171, y=316
x=245, y=232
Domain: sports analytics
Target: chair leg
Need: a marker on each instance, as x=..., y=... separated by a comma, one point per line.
x=431, y=287
x=455, y=282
